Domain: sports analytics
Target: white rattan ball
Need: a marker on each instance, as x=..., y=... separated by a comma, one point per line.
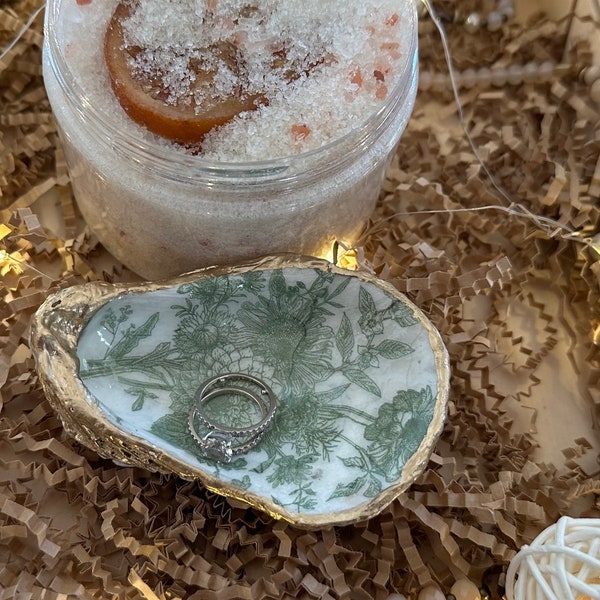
x=562, y=563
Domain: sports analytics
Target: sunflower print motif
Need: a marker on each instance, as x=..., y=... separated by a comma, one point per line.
x=288, y=330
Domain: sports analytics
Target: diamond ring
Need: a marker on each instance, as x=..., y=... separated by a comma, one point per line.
x=230, y=415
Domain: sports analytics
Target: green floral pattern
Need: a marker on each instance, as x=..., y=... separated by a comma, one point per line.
x=351, y=365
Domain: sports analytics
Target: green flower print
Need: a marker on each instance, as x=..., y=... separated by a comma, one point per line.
x=291, y=469
x=217, y=291
x=201, y=328
x=295, y=471
x=232, y=411
x=333, y=350
x=309, y=424
x=287, y=331
x=398, y=430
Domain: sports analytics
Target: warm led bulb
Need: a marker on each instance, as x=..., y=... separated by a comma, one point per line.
x=341, y=255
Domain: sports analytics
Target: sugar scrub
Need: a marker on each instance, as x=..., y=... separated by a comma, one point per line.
x=313, y=98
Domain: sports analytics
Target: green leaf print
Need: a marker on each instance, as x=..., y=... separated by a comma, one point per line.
x=349, y=489
x=403, y=314
x=366, y=304
x=244, y=483
x=371, y=320
x=360, y=378
x=132, y=337
x=141, y=393
x=354, y=462
x=398, y=430
x=344, y=338
x=277, y=286
x=392, y=349
x=296, y=471
x=374, y=488
x=367, y=485
x=157, y=364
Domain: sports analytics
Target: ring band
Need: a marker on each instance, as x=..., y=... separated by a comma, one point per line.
x=240, y=377
x=218, y=442
x=219, y=383
x=202, y=401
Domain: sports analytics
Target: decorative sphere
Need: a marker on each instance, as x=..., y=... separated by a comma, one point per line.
x=595, y=91
x=463, y=589
x=473, y=22
x=591, y=74
x=431, y=592
x=562, y=562
x=494, y=21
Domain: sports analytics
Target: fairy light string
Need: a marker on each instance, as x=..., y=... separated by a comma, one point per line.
x=550, y=227
x=24, y=29
x=459, y=107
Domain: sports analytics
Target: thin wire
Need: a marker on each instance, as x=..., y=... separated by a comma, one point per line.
x=548, y=223
x=23, y=263
x=3, y=54
x=549, y=226
x=459, y=107
x=22, y=31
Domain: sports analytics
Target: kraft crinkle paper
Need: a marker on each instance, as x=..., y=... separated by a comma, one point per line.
x=516, y=300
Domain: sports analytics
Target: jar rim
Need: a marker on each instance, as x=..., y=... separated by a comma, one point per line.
x=144, y=148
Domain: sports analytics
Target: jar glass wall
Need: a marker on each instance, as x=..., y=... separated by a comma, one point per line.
x=162, y=212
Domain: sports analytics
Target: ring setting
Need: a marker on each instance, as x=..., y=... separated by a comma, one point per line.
x=220, y=438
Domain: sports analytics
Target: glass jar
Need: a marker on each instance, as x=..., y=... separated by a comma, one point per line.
x=162, y=212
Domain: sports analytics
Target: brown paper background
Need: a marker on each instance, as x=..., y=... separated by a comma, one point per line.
x=517, y=303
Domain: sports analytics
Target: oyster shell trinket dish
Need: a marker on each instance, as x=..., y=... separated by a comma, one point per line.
x=360, y=374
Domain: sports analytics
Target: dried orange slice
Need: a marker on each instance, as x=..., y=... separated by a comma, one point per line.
x=147, y=100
